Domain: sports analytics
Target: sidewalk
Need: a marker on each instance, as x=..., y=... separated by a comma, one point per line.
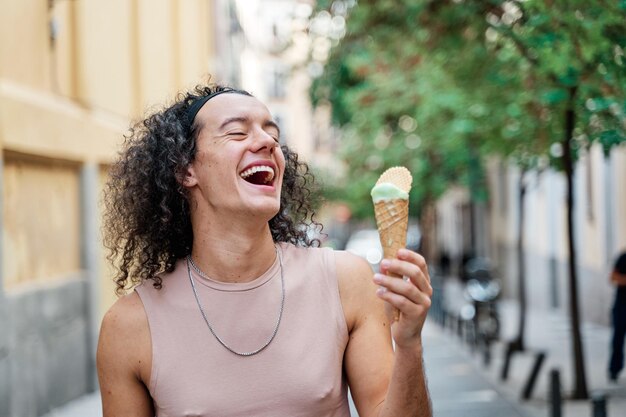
x=456, y=386
x=548, y=331
x=86, y=406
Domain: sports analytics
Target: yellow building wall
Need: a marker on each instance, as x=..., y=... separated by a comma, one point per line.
x=65, y=54
x=41, y=218
x=194, y=46
x=68, y=99
x=107, y=61
x=157, y=21
x=24, y=42
x=40, y=123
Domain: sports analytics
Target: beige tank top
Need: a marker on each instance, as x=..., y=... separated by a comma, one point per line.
x=299, y=374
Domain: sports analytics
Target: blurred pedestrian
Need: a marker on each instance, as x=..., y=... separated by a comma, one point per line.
x=235, y=312
x=618, y=278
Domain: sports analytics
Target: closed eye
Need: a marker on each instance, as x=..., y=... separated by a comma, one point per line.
x=274, y=135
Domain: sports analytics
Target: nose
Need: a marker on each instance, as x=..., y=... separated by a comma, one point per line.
x=263, y=141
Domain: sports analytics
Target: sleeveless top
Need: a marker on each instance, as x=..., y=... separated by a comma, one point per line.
x=300, y=374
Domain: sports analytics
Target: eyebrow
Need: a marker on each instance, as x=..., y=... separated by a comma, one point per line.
x=267, y=123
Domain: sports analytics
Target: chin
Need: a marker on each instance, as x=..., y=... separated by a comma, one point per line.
x=266, y=211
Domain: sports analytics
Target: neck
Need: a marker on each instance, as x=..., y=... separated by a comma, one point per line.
x=231, y=253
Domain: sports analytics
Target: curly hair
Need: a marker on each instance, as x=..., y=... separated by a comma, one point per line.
x=147, y=222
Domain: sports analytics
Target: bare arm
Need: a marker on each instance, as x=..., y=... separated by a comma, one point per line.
x=368, y=359
x=408, y=391
x=384, y=384
x=124, y=359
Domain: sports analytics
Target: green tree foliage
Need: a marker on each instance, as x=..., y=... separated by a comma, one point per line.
x=438, y=85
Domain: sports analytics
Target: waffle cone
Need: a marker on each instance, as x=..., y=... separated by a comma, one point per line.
x=398, y=176
x=392, y=219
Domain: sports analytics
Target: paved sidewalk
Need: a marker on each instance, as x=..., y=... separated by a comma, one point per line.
x=547, y=331
x=86, y=406
x=458, y=387
x=550, y=332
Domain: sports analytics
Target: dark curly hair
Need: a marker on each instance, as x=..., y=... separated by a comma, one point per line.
x=147, y=224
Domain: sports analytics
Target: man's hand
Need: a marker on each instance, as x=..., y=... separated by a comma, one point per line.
x=410, y=295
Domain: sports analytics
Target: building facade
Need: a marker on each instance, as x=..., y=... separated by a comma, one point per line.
x=74, y=74
x=273, y=66
x=599, y=225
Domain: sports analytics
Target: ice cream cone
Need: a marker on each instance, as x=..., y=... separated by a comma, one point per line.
x=392, y=219
x=392, y=215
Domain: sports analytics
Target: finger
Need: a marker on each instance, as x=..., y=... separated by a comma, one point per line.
x=407, y=269
x=423, y=283
x=406, y=306
x=414, y=258
x=398, y=267
x=399, y=286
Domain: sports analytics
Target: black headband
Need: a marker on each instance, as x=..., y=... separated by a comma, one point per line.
x=199, y=102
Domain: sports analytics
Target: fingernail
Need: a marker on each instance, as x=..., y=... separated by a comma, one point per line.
x=381, y=290
x=385, y=263
x=402, y=253
x=378, y=278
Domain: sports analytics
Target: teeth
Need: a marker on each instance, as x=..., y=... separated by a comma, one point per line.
x=256, y=169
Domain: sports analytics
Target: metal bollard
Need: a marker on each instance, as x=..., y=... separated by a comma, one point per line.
x=534, y=373
x=599, y=405
x=555, y=393
x=507, y=361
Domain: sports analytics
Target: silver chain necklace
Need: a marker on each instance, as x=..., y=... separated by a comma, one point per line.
x=191, y=264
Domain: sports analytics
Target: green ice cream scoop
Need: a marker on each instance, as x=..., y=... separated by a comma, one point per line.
x=387, y=191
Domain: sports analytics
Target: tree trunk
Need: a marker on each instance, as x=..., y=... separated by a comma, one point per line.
x=580, y=387
x=518, y=342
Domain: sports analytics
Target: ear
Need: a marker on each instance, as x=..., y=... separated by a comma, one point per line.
x=189, y=179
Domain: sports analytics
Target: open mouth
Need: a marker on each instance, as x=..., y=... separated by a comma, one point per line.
x=258, y=175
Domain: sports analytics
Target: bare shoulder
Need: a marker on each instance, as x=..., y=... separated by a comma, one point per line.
x=124, y=360
x=125, y=336
x=126, y=317
x=354, y=276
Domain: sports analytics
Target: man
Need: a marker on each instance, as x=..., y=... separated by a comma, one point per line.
x=618, y=278
x=234, y=312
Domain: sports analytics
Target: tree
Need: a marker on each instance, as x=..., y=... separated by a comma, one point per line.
x=397, y=108
x=420, y=83
x=575, y=49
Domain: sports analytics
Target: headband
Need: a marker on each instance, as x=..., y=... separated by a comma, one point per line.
x=199, y=102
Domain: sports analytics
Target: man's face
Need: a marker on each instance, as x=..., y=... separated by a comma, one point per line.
x=239, y=165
